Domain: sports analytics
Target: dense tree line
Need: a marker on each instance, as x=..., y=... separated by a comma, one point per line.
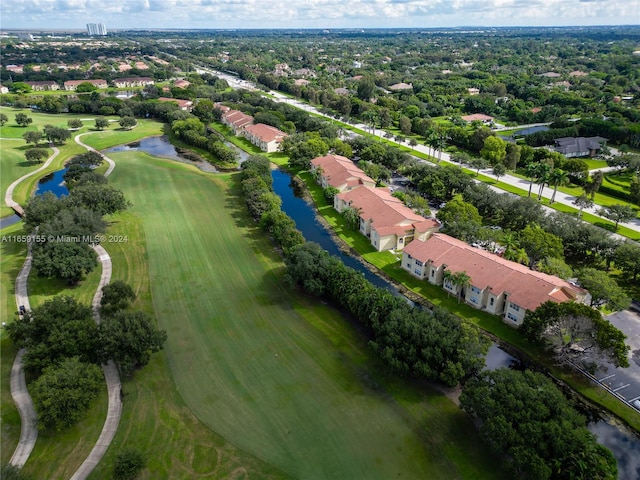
x=526, y=420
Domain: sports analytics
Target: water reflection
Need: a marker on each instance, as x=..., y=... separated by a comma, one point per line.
x=624, y=445
x=54, y=183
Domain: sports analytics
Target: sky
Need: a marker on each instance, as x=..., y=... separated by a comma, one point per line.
x=227, y=14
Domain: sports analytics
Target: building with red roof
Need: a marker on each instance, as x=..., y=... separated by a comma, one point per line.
x=384, y=219
x=71, y=85
x=478, y=117
x=339, y=172
x=186, y=105
x=496, y=285
x=236, y=120
x=265, y=137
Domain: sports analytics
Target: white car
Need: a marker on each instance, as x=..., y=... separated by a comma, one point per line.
x=636, y=404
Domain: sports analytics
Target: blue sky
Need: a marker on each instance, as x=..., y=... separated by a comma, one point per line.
x=125, y=14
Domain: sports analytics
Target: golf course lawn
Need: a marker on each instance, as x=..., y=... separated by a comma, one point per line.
x=279, y=376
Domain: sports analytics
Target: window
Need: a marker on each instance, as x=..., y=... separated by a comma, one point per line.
x=419, y=263
x=417, y=271
x=401, y=240
x=491, y=301
x=433, y=273
x=475, y=289
x=515, y=307
x=447, y=284
x=512, y=317
x=408, y=264
x=474, y=300
x=409, y=256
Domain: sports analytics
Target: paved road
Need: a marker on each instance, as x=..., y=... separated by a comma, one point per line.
x=114, y=409
x=562, y=198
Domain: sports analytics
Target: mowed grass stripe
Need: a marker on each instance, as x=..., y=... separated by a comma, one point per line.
x=244, y=360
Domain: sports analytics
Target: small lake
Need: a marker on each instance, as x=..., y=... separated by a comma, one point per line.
x=525, y=131
x=54, y=183
x=10, y=220
x=157, y=146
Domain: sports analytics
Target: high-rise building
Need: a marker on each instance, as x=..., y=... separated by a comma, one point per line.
x=96, y=29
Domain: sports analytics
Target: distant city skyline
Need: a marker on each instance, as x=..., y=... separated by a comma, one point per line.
x=214, y=14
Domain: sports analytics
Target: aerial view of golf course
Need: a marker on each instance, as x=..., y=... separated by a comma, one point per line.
x=256, y=380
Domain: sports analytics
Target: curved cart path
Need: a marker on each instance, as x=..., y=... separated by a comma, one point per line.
x=111, y=163
x=112, y=378
x=8, y=196
x=19, y=392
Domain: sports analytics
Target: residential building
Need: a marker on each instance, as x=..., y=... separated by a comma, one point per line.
x=181, y=83
x=579, y=146
x=478, y=117
x=265, y=137
x=398, y=87
x=186, y=105
x=133, y=82
x=96, y=29
x=385, y=220
x=496, y=285
x=473, y=91
x=236, y=120
x=71, y=85
x=339, y=172
x=43, y=86
x=3, y=89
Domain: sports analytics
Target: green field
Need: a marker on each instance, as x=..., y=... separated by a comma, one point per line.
x=288, y=380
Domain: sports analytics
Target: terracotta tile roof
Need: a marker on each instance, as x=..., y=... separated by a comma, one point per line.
x=222, y=108
x=266, y=133
x=237, y=119
x=526, y=288
x=477, y=116
x=339, y=170
x=181, y=103
x=378, y=206
x=426, y=225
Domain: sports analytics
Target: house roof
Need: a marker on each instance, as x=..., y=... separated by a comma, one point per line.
x=133, y=79
x=181, y=103
x=566, y=145
x=339, y=170
x=42, y=82
x=78, y=82
x=182, y=83
x=378, y=206
x=477, y=116
x=525, y=287
x=400, y=86
x=266, y=133
x=221, y=107
x=237, y=118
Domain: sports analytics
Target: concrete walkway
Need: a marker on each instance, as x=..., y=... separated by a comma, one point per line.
x=114, y=409
x=111, y=163
x=19, y=392
x=8, y=196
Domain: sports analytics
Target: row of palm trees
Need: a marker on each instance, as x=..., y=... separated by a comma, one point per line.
x=542, y=173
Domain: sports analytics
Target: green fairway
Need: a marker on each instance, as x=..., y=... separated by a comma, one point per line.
x=285, y=379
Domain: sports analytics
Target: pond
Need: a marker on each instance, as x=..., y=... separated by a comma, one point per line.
x=157, y=146
x=524, y=131
x=54, y=183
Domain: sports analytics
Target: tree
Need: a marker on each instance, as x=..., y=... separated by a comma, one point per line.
x=100, y=198
x=542, y=176
x=116, y=296
x=56, y=134
x=627, y=258
x=526, y=420
x=351, y=217
x=603, y=289
x=33, y=136
x=617, y=213
x=101, y=123
x=478, y=163
x=576, y=333
x=513, y=156
x=494, y=150
x=22, y=120
x=634, y=189
x=64, y=392
x=74, y=123
x=35, y=155
x=583, y=201
x=460, y=280
x=128, y=464
x=128, y=122
x=457, y=210
x=594, y=183
x=66, y=260
x=129, y=338
x=3, y=119
x=86, y=87
x=557, y=177
x=531, y=172
x=539, y=243
x=555, y=266
x=330, y=192
x=20, y=87
x=499, y=171
x=404, y=124
x=59, y=328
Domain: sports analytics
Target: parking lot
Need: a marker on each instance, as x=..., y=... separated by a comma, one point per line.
x=625, y=382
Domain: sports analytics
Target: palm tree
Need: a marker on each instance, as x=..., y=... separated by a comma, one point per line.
x=557, y=177
x=458, y=279
x=583, y=201
x=518, y=255
x=531, y=170
x=542, y=177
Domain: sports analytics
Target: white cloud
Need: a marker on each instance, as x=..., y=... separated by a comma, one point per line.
x=117, y=14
